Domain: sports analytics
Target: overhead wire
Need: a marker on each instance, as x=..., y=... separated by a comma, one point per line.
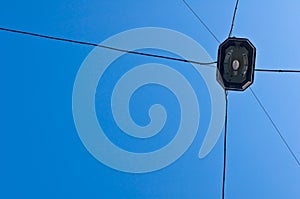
x=277, y=70
x=226, y=98
x=275, y=126
x=133, y=52
x=226, y=118
x=106, y=47
x=233, y=18
x=225, y=145
x=201, y=21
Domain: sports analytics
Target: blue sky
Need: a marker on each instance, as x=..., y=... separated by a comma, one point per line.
x=41, y=155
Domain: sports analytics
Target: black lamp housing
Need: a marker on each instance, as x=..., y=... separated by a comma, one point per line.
x=236, y=64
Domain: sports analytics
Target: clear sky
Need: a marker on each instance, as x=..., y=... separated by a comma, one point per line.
x=41, y=154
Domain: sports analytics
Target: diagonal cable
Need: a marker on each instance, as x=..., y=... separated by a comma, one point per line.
x=103, y=46
x=133, y=52
x=275, y=127
x=201, y=21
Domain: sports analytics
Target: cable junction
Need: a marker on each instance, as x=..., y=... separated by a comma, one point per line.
x=188, y=61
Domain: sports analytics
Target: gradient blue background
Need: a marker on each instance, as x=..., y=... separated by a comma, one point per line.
x=41, y=155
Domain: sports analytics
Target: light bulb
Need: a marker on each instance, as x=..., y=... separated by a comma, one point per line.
x=235, y=64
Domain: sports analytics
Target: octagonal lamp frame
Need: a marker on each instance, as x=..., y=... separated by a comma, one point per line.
x=242, y=42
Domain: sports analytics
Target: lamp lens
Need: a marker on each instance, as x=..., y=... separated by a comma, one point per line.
x=235, y=65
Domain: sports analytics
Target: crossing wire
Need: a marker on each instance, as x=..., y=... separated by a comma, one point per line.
x=274, y=125
x=201, y=21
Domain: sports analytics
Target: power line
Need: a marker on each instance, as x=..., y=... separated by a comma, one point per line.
x=132, y=52
x=225, y=142
x=201, y=21
x=226, y=121
x=277, y=70
x=103, y=46
x=275, y=127
x=233, y=18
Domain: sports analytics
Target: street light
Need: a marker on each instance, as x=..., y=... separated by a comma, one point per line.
x=236, y=63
